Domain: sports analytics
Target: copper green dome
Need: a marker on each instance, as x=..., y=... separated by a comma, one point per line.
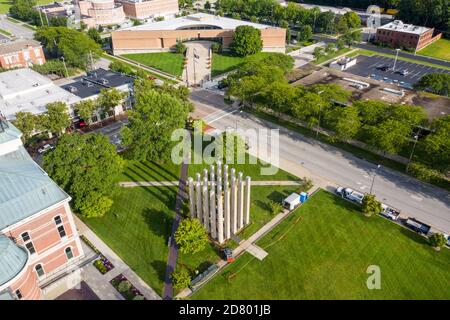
x=12, y=259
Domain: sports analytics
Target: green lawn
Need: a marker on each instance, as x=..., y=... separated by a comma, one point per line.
x=439, y=49
x=325, y=255
x=225, y=62
x=332, y=55
x=5, y=4
x=149, y=171
x=137, y=228
x=165, y=61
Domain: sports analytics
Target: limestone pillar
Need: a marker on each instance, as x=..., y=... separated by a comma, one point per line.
x=233, y=205
x=198, y=177
x=226, y=205
x=220, y=236
x=206, y=220
x=211, y=172
x=212, y=212
x=191, y=197
x=248, y=182
x=219, y=169
x=240, y=202
x=199, y=207
x=205, y=174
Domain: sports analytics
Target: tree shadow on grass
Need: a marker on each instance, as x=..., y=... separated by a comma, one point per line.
x=171, y=175
x=159, y=222
x=263, y=205
x=160, y=269
x=414, y=237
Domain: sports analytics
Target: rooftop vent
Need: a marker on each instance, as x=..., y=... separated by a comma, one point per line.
x=104, y=81
x=35, y=84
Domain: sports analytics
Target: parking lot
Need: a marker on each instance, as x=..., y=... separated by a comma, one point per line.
x=372, y=67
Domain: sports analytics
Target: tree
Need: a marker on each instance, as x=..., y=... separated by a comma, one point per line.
x=344, y=121
x=207, y=5
x=318, y=53
x=340, y=44
x=389, y=136
x=275, y=207
x=122, y=67
x=156, y=114
x=332, y=92
x=86, y=167
x=94, y=35
x=330, y=47
x=246, y=41
x=352, y=19
x=180, y=47
x=75, y=46
x=437, y=241
x=26, y=123
x=85, y=109
x=109, y=99
x=438, y=83
x=191, y=236
x=180, y=278
x=351, y=37
x=57, y=118
x=305, y=33
x=233, y=148
x=438, y=144
x=370, y=205
x=279, y=96
x=309, y=107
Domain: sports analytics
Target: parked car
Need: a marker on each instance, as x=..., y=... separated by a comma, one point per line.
x=402, y=72
x=384, y=68
x=389, y=212
x=350, y=194
x=45, y=148
x=417, y=226
x=228, y=253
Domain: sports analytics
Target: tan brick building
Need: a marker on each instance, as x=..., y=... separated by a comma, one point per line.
x=21, y=54
x=142, y=9
x=163, y=35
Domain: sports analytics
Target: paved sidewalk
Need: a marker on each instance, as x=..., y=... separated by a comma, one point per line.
x=100, y=283
x=175, y=183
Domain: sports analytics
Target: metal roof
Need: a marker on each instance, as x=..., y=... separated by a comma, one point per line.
x=25, y=189
x=12, y=259
x=8, y=132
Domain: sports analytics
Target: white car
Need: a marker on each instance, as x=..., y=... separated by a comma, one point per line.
x=45, y=148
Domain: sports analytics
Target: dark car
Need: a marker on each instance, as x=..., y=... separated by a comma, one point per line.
x=383, y=68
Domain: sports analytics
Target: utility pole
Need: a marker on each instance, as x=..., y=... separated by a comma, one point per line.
x=396, y=57
x=65, y=67
x=416, y=138
x=373, y=179
x=320, y=116
x=40, y=16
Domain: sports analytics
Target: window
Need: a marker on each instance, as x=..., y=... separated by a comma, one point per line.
x=62, y=232
x=57, y=220
x=19, y=294
x=28, y=243
x=69, y=253
x=39, y=270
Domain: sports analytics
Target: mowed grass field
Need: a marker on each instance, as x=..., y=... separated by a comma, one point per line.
x=439, y=49
x=323, y=250
x=4, y=5
x=225, y=62
x=169, y=62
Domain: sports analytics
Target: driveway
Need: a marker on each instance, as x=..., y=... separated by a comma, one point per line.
x=329, y=165
x=198, y=68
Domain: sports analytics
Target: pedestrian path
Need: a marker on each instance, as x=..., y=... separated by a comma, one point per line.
x=128, y=184
x=99, y=283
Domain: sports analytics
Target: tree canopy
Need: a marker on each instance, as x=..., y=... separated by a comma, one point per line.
x=191, y=236
x=86, y=167
x=435, y=82
x=246, y=41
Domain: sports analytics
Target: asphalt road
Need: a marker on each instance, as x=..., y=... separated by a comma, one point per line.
x=414, y=198
x=15, y=28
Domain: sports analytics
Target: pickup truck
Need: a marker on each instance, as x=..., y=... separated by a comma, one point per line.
x=389, y=212
x=350, y=194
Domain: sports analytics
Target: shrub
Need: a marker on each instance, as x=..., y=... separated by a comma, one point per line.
x=370, y=205
x=180, y=278
x=124, y=286
x=180, y=47
x=437, y=240
x=216, y=47
x=191, y=236
x=139, y=297
x=100, y=267
x=422, y=172
x=275, y=207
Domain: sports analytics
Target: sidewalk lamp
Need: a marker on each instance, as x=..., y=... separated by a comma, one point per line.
x=416, y=138
x=396, y=57
x=373, y=178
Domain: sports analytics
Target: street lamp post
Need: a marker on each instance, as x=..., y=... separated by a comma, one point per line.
x=396, y=57
x=373, y=179
x=416, y=138
x=320, y=116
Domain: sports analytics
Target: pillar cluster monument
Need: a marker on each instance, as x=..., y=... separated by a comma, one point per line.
x=220, y=200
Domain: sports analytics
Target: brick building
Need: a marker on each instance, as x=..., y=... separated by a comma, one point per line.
x=142, y=9
x=39, y=242
x=21, y=54
x=401, y=35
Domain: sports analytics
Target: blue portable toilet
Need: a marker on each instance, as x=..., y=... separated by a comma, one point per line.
x=303, y=197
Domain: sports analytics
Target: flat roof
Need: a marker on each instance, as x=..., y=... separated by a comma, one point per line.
x=28, y=91
x=399, y=26
x=91, y=84
x=197, y=19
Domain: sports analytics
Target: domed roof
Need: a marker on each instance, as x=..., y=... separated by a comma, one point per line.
x=12, y=259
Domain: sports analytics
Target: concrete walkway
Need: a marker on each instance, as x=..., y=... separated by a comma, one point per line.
x=175, y=183
x=198, y=68
x=100, y=283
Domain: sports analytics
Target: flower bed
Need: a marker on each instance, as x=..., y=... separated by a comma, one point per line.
x=102, y=264
x=126, y=289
